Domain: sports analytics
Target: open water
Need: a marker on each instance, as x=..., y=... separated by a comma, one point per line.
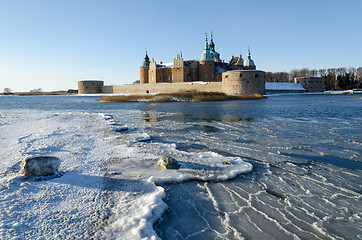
x=305, y=150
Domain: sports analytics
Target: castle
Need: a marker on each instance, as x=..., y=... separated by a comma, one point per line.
x=208, y=69
x=209, y=74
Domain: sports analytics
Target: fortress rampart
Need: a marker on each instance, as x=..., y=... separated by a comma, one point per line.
x=234, y=82
x=163, y=88
x=90, y=86
x=243, y=82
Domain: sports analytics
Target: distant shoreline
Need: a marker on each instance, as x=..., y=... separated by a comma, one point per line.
x=37, y=94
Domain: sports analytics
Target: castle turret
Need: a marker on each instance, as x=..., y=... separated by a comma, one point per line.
x=206, y=65
x=249, y=63
x=178, y=70
x=144, y=70
x=215, y=55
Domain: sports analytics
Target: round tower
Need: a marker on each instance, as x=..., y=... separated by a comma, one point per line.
x=90, y=86
x=144, y=69
x=243, y=82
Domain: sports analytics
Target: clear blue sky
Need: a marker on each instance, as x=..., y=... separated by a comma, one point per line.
x=52, y=44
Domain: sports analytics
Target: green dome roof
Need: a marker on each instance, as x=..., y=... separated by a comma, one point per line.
x=216, y=55
x=249, y=62
x=206, y=55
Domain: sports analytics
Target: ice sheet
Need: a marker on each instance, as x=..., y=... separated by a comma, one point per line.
x=106, y=184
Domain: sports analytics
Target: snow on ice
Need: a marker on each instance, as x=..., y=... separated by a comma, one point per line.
x=106, y=185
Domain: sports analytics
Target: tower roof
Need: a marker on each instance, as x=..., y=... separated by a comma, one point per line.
x=212, y=44
x=249, y=62
x=146, y=61
x=215, y=55
x=206, y=54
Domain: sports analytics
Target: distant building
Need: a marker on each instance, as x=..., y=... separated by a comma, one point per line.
x=208, y=69
x=311, y=84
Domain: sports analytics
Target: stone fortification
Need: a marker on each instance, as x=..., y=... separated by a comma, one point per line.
x=209, y=74
x=163, y=88
x=234, y=82
x=243, y=82
x=311, y=84
x=90, y=86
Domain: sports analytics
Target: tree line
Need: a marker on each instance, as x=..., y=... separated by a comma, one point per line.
x=335, y=78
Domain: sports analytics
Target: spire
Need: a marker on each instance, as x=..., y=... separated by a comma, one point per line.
x=206, y=44
x=146, y=62
x=212, y=44
x=249, y=62
x=206, y=55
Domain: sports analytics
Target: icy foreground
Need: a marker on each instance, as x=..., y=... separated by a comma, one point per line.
x=106, y=184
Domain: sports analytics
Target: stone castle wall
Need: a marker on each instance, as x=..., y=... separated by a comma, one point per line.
x=311, y=84
x=233, y=83
x=163, y=88
x=243, y=82
x=90, y=86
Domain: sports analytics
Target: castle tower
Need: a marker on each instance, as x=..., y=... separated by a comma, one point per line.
x=215, y=55
x=249, y=63
x=178, y=70
x=144, y=70
x=152, y=73
x=206, y=65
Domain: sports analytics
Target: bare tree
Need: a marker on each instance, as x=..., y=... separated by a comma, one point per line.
x=322, y=72
x=8, y=91
x=313, y=73
x=36, y=90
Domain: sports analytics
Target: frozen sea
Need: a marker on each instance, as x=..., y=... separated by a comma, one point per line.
x=286, y=167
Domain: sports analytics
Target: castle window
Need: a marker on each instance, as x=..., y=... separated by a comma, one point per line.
x=178, y=76
x=256, y=75
x=212, y=76
x=241, y=75
x=143, y=78
x=205, y=76
x=193, y=76
x=168, y=78
x=226, y=76
x=147, y=91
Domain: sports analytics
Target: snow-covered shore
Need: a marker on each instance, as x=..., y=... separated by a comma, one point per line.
x=106, y=187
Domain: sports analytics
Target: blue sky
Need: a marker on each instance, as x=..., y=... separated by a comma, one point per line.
x=52, y=44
